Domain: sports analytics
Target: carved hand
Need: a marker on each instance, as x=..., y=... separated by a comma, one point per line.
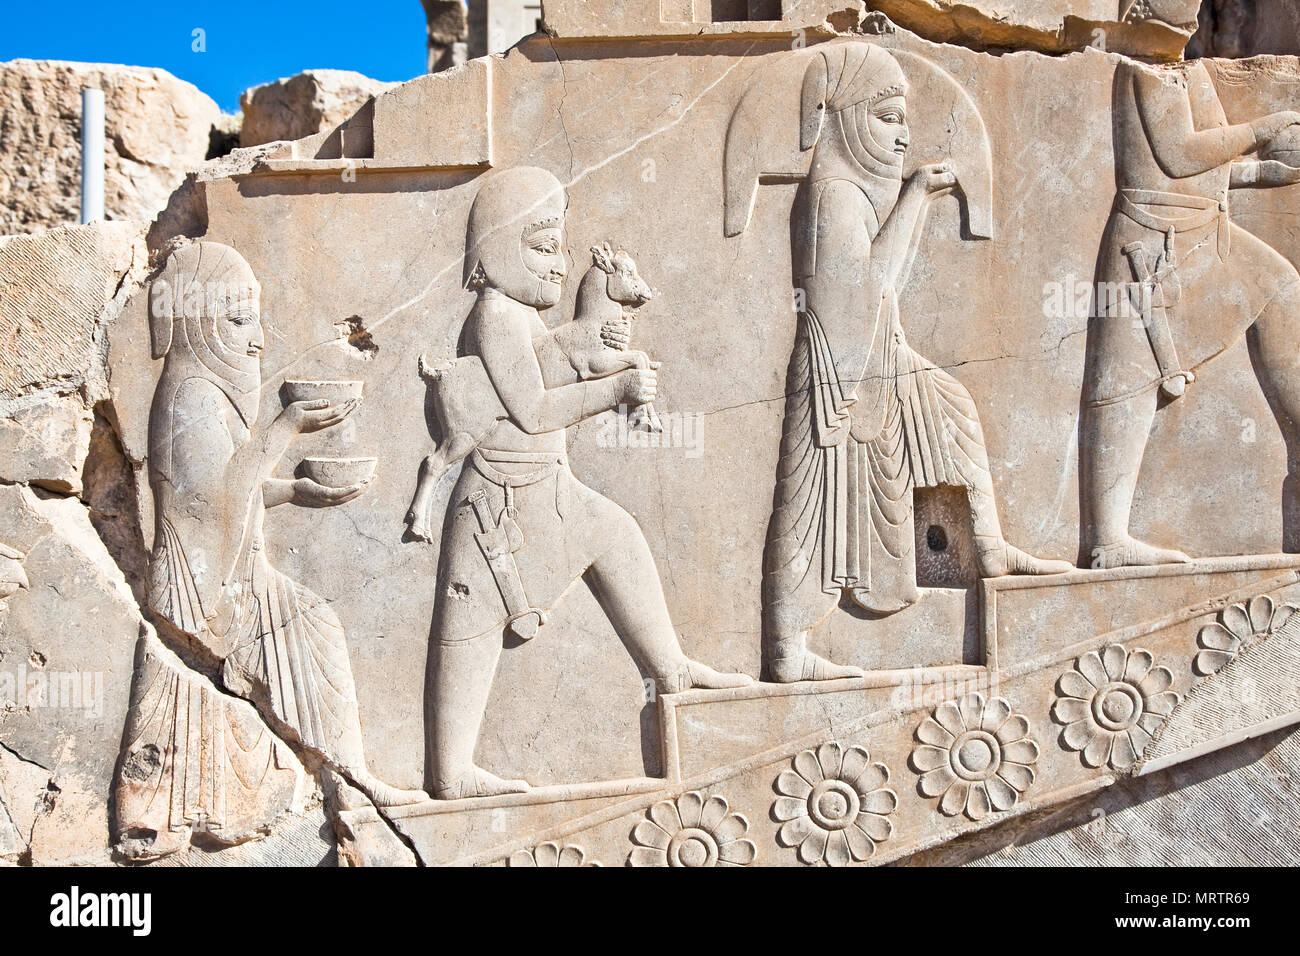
x=1270, y=172
x=637, y=386
x=617, y=333
x=312, y=416
x=308, y=492
x=933, y=178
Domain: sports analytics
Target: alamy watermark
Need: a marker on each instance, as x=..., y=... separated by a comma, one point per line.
x=1077, y=298
x=922, y=687
x=24, y=688
x=684, y=430
x=75, y=909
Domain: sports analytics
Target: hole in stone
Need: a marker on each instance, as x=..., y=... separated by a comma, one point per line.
x=352, y=332
x=936, y=539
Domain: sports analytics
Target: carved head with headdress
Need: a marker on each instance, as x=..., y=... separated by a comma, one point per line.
x=853, y=112
x=205, y=319
x=515, y=239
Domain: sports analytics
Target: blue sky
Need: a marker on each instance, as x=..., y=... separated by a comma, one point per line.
x=247, y=42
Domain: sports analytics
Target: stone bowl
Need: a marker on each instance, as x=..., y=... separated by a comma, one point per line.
x=338, y=472
x=336, y=393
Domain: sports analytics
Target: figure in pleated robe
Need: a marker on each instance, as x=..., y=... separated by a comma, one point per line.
x=210, y=468
x=194, y=759
x=867, y=419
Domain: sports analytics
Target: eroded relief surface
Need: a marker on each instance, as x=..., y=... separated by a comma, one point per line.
x=835, y=450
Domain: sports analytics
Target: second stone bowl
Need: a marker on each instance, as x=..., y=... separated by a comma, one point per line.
x=336, y=393
x=338, y=472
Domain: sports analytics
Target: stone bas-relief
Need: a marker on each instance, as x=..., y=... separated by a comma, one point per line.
x=427, y=542
x=594, y=344
x=12, y=576
x=1179, y=15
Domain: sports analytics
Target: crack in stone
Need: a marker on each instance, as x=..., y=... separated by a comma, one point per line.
x=27, y=760
x=564, y=96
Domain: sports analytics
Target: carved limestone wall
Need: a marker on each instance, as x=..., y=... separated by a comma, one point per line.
x=849, y=448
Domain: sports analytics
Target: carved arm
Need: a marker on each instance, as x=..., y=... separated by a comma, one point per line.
x=506, y=348
x=1180, y=148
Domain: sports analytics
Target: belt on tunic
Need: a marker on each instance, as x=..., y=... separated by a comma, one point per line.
x=1199, y=211
x=484, y=458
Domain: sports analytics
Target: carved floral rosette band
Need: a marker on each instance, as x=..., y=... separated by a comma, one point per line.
x=1239, y=627
x=834, y=805
x=692, y=831
x=1112, y=704
x=975, y=755
x=546, y=855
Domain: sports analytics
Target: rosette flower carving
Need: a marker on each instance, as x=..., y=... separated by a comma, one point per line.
x=692, y=831
x=1239, y=626
x=834, y=805
x=975, y=755
x=1111, y=704
x=551, y=854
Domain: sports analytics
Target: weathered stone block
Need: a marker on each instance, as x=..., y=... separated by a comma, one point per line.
x=54, y=288
x=298, y=106
x=158, y=128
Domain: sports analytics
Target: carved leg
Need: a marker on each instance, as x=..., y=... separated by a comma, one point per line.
x=375, y=790
x=452, y=450
x=350, y=762
x=787, y=624
x=1112, y=441
x=958, y=423
x=1272, y=341
x=797, y=663
x=460, y=684
x=997, y=557
x=417, y=516
x=788, y=621
x=384, y=794
x=626, y=582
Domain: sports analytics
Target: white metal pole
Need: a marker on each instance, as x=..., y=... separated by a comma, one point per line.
x=92, y=155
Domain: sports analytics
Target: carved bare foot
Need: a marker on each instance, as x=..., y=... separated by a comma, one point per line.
x=808, y=666
x=1131, y=552
x=869, y=602
x=694, y=674
x=477, y=782
x=385, y=795
x=997, y=558
x=143, y=844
